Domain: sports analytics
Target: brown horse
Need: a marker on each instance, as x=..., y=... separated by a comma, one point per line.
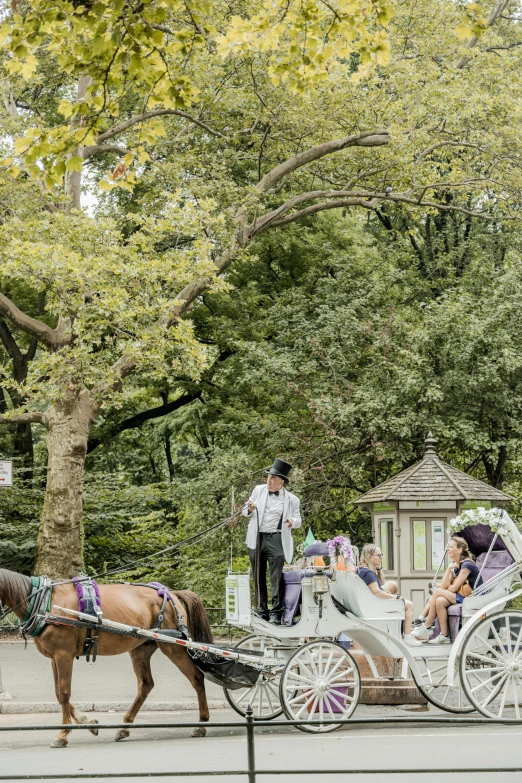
x=124, y=603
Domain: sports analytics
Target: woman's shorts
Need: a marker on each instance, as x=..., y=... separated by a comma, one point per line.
x=459, y=598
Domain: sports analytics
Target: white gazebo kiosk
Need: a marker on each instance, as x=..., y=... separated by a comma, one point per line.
x=410, y=514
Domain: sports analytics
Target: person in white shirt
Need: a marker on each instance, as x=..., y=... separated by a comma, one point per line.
x=274, y=512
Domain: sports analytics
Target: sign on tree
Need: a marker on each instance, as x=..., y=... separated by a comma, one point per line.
x=6, y=473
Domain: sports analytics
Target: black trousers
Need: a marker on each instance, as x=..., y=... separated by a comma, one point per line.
x=271, y=554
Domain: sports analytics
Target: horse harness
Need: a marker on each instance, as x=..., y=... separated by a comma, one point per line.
x=89, y=603
x=39, y=603
x=165, y=592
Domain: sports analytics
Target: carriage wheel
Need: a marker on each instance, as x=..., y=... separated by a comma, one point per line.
x=491, y=666
x=321, y=681
x=436, y=689
x=263, y=697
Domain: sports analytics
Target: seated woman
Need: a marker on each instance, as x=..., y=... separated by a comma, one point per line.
x=462, y=569
x=370, y=571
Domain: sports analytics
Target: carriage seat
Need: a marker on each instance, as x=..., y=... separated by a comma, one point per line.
x=317, y=549
x=293, y=579
x=496, y=562
x=355, y=596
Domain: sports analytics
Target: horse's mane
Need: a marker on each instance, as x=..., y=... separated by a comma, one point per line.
x=14, y=588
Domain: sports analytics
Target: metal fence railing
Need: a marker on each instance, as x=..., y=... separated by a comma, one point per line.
x=10, y=623
x=250, y=771
x=218, y=619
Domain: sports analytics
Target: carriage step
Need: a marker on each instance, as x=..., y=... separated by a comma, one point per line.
x=389, y=692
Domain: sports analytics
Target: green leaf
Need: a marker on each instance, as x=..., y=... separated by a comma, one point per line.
x=75, y=163
x=65, y=108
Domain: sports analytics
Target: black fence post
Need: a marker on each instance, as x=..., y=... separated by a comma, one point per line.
x=250, y=745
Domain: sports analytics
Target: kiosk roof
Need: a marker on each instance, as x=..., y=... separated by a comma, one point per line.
x=431, y=479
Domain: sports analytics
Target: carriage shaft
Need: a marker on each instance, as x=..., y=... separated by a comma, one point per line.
x=268, y=663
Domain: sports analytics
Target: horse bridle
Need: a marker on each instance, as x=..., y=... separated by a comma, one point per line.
x=32, y=594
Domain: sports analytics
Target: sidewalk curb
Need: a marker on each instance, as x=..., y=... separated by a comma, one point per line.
x=26, y=707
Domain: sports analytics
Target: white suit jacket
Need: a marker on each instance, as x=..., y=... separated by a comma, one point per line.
x=290, y=509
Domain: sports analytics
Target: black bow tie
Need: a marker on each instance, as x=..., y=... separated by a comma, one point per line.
x=273, y=493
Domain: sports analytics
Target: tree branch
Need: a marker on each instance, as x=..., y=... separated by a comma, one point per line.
x=34, y=417
x=503, y=48
x=368, y=139
x=51, y=338
x=97, y=149
x=343, y=198
x=141, y=418
x=9, y=342
x=147, y=115
x=436, y=146
x=494, y=15
x=313, y=208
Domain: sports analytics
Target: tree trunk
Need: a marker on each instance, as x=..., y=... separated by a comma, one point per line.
x=60, y=537
x=23, y=448
x=168, y=454
x=496, y=472
x=73, y=179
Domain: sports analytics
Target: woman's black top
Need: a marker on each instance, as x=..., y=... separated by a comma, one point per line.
x=368, y=576
x=473, y=572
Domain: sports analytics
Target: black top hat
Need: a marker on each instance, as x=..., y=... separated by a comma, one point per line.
x=280, y=468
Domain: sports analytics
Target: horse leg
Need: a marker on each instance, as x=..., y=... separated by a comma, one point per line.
x=62, y=669
x=140, y=658
x=76, y=716
x=185, y=664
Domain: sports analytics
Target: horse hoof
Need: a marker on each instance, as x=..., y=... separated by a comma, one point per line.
x=94, y=731
x=59, y=743
x=199, y=732
x=122, y=734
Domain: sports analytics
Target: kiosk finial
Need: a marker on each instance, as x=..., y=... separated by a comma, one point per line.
x=430, y=444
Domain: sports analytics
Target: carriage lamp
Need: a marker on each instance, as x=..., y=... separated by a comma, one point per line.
x=319, y=585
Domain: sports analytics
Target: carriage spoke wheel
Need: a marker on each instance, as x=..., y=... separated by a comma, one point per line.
x=491, y=666
x=320, y=682
x=263, y=697
x=436, y=689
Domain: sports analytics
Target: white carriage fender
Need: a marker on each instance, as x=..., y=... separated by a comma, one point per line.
x=404, y=650
x=465, y=632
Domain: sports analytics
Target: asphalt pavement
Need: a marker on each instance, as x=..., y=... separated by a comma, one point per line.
x=412, y=747
x=107, y=685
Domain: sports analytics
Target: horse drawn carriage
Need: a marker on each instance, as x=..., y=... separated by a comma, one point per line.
x=301, y=668
x=318, y=678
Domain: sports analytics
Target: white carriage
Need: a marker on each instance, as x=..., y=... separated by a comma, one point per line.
x=307, y=674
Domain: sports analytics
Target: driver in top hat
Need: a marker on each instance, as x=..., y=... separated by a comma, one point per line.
x=273, y=512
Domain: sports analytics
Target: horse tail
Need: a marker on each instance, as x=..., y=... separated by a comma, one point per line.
x=197, y=619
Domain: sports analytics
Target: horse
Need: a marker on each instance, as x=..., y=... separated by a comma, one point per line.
x=134, y=605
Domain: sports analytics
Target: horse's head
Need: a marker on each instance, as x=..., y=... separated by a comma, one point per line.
x=14, y=590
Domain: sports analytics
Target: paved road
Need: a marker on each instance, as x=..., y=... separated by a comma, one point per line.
x=278, y=748
x=28, y=678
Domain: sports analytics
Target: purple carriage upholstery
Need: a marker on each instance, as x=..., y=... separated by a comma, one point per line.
x=317, y=549
x=292, y=580
x=497, y=561
x=479, y=539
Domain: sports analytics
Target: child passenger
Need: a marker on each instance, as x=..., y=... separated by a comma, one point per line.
x=370, y=571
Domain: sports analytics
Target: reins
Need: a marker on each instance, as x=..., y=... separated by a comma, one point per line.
x=133, y=564
x=129, y=566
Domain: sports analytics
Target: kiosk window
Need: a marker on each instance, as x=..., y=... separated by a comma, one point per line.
x=386, y=527
x=419, y=544
x=428, y=543
x=438, y=546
